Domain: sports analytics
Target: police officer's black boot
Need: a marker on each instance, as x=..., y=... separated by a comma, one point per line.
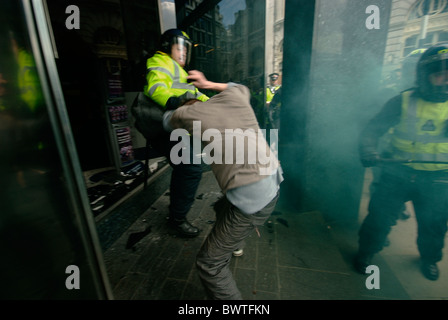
x=183, y=227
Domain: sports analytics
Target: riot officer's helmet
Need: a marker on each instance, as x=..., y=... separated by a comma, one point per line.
x=176, y=36
x=409, y=68
x=432, y=73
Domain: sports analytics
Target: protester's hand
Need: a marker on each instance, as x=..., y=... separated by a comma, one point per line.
x=369, y=157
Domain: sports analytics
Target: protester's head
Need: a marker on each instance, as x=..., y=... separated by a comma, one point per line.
x=178, y=45
x=432, y=73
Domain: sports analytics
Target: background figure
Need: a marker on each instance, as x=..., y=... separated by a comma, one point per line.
x=409, y=69
x=273, y=86
x=274, y=110
x=419, y=119
x=169, y=88
x=257, y=101
x=273, y=127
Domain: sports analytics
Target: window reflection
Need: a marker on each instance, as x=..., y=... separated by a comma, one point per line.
x=408, y=30
x=237, y=40
x=229, y=38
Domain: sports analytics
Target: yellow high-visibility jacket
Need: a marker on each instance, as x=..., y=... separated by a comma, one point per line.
x=28, y=81
x=270, y=93
x=166, y=78
x=422, y=133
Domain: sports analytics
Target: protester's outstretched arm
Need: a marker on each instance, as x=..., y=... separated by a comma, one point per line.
x=198, y=79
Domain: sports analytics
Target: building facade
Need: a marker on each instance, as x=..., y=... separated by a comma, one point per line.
x=408, y=29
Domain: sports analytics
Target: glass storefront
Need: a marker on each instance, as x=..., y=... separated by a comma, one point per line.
x=48, y=239
x=69, y=149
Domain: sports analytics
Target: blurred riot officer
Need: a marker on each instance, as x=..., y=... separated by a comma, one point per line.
x=167, y=85
x=407, y=81
x=418, y=168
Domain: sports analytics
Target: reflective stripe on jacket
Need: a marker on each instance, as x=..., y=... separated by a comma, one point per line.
x=166, y=78
x=422, y=133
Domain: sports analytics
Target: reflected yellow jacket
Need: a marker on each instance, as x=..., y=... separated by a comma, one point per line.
x=166, y=78
x=422, y=133
x=28, y=81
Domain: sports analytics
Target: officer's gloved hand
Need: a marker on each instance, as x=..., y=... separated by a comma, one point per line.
x=175, y=102
x=369, y=157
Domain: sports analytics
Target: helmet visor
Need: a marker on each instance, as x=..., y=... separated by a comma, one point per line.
x=437, y=76
x=181, y=50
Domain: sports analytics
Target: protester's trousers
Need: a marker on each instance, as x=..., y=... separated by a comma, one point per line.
x=231, y=228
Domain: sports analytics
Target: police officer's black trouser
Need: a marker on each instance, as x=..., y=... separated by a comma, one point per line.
x=185, y=178
x=428, y=192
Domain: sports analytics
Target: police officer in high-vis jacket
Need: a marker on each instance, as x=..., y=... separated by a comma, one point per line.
x=272, y=87
x=167, y=85
x=418, y=168
x=166, y=77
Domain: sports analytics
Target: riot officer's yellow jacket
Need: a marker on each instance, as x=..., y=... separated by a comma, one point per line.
x=166, y=78
x=422, y=133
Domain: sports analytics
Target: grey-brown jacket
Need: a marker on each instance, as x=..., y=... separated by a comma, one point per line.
x=229, y=111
